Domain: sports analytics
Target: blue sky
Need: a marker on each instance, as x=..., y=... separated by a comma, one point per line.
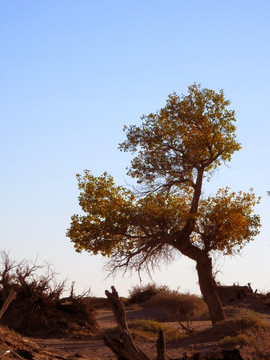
x=73, y=73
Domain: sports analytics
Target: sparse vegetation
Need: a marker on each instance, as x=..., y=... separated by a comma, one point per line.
x=181, y=308
x=238, y=340
x=186, y=306
x=82, y=334
x=141, y=294
x=233, y=327
x=39, y=309
x=241, y=312
x=247, y=332
x=244, y=329
x=149, y=329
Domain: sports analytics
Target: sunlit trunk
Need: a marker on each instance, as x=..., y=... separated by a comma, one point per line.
x=208, y=288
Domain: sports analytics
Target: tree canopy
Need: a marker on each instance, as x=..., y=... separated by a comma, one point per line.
x=175, y=150
x=191, y=132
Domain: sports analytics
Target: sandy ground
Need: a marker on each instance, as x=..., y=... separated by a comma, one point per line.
x=94, y=348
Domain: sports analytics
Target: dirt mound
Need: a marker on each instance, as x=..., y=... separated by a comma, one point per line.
x=244, y=296
x=41, y=317
x=14, y=346
x=38, y=309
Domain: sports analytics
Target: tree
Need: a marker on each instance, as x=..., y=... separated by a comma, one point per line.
x=175, y=150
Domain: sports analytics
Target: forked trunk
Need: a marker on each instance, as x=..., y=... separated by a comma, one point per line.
x=208, y=288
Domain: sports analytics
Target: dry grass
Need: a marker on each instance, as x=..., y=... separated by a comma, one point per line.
x=149, y=329
x=238, y=325
x=248, y=332
x=241, y=312
x=180, y=306
x=185, y=306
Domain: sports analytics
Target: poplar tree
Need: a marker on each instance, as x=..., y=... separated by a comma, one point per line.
x=175, y=150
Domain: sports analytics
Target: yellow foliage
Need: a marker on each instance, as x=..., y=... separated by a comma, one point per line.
x=176, y=149
x=225, y=222
x=190, y=132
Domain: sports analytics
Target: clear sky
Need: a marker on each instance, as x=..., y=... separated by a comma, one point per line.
x=74, y=72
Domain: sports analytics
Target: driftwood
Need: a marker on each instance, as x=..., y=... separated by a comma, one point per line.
x=9, y=299
x=123, y=345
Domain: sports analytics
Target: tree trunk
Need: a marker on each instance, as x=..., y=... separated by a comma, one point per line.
x=208, y=288
x=122, y=345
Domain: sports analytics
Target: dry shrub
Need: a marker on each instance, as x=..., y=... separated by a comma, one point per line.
x=238, y=340
x=241, y=312
x=38, y=309
x=182, y=308
x=140, y=294
x=185, y=306
x=239, y=331
x=236, y=326
x=247, y=332
x=188, y=306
